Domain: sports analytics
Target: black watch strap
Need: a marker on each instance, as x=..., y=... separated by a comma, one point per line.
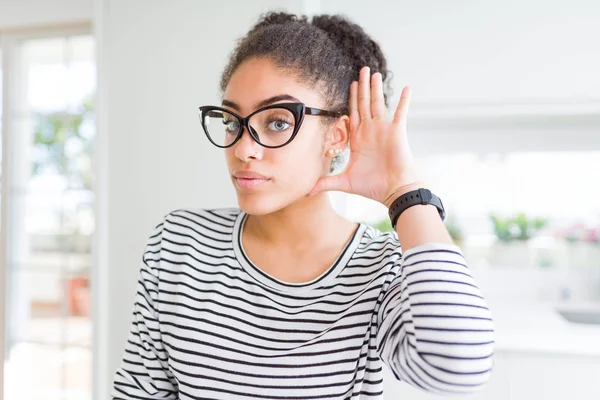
x=420, y=196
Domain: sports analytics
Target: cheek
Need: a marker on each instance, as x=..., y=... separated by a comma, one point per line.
x=302, y=162
x=299, y=168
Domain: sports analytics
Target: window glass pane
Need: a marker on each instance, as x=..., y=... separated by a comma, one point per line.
x=523, y=209
x=36, y=301
x=77, y=373
x=33, y=371
x=46, y=69
x=49, y=372
x=51, y=223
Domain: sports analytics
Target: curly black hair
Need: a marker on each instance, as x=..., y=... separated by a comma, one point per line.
x=326, y=52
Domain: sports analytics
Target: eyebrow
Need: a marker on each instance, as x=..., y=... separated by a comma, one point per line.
x=263, y=103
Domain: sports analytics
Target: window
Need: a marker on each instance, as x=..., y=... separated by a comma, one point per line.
x=522, y=209
x=48, y=234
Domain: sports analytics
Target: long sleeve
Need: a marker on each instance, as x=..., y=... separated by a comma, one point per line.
x=144, y=372
x=435, y=330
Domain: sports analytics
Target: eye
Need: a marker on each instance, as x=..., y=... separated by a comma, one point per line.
x=278, y=125
x=231, y=125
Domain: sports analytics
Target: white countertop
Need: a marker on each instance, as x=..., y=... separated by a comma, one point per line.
x=540, y=328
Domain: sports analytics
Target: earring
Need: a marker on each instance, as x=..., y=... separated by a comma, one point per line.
x=331, y=152
x=338, y=151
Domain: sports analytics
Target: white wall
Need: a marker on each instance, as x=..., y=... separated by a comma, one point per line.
x=481, y=51
x=512, y=70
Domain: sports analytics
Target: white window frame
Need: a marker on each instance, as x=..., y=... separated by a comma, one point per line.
x=9, y=40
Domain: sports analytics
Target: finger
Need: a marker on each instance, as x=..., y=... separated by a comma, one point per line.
x=377, y=100
x=335, y=182
x=353, y=106
x=364, y=93
x=401, y=113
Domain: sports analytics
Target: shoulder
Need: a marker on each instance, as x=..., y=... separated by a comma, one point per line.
x=376, y=240
x=202, y=221
x=379, y=249
x=186, y=234
x=202, y=217
x=379, y=253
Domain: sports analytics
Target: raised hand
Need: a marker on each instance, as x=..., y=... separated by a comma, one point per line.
x=381, y=164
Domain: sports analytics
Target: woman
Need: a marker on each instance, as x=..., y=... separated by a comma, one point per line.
x=283, y=298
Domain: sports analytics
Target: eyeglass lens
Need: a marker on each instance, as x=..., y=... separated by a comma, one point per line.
x=272, y=127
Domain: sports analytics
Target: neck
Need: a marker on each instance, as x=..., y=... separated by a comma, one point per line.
x=299, y=225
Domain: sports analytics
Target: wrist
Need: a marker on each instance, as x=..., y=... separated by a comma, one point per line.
x=400, y=190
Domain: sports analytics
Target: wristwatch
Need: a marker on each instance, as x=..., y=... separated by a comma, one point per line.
x=415, y=197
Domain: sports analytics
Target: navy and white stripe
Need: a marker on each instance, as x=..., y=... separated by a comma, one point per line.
x=209, y=324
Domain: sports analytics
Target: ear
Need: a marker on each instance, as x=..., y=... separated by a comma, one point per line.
x=339, y=134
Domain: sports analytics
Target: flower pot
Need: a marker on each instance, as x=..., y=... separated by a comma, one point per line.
x=79, y=296
x=510, y=254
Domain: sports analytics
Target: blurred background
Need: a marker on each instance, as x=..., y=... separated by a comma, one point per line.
x=100, y=138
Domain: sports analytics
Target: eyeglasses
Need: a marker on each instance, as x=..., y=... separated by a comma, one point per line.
x=271, y=126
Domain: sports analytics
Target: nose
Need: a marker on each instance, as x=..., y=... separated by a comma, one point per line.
x=246, y=147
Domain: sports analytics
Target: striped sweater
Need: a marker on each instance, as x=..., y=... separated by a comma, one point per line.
x=209, y=324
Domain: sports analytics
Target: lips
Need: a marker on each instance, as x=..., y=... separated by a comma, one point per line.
x=249, y=179
x=248, y=175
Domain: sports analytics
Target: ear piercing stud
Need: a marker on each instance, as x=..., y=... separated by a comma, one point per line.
x=334, y=151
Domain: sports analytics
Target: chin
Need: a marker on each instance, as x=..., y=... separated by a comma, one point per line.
x=258, y=204
x=266, y=202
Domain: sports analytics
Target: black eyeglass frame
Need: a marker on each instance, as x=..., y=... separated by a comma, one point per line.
x=298, y=110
